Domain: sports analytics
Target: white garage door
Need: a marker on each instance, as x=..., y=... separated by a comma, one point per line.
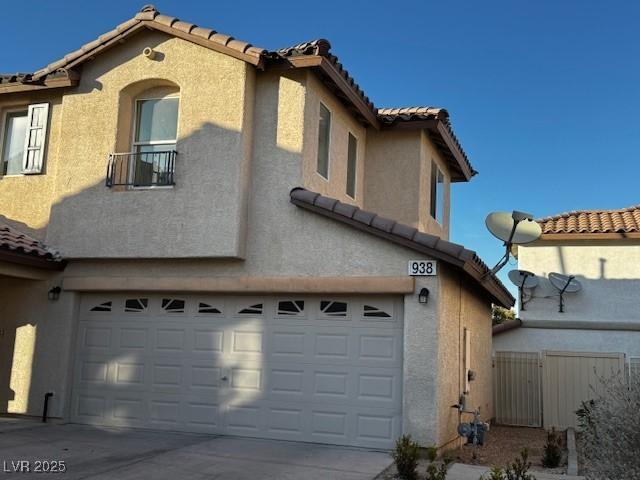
x=318, y=369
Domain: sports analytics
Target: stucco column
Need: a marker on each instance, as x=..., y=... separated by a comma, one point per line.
x=420, y=364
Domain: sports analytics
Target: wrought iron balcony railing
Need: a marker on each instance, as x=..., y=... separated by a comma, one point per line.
x=141, y=169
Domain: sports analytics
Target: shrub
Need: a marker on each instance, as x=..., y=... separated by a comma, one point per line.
x=496, y=473
x=405, y=455
x=610, y=435
x=436, y=472
x=552, y=449
x=519, y=468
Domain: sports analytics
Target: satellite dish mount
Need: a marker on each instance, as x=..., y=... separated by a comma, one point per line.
x=524, y=280
x=515, y=228
x=564, y=284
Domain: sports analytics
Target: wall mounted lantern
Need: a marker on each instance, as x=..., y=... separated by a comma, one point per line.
x=54, y=293
x=423, y=296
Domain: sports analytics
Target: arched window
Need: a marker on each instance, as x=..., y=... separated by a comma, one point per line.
x=149, y=113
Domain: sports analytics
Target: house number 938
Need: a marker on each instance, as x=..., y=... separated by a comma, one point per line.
x=422, y=267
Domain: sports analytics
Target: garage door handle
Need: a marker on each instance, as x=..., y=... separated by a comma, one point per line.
x=225, y=378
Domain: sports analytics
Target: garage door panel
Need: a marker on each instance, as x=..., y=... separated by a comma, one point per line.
x=273, y=367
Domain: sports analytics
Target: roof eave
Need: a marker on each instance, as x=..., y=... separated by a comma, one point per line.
x=31, y=260
x=590, y=236
x=71, y=78
x=327, y=70
x=488, y=282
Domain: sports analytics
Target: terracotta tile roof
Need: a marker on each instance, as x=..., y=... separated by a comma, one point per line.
x=14, y=241
x=322, y=47
x=626, y=220
x=330, y=68
x=427, y=244
x=147, y=17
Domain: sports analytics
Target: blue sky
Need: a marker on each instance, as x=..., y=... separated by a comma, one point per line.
x=544, y=95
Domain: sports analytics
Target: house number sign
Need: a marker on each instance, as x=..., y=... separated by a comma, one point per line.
x=419, y=268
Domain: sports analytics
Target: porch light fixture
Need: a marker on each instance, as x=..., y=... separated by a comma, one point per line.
x=54, y=293
x=423, y=296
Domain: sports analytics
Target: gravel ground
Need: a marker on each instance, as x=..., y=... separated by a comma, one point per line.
x=503, y=444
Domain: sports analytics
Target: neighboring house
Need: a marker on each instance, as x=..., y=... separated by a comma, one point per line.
x=189, y=246
x=599, y=329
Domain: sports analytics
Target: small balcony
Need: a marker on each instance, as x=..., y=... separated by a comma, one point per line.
x=141, y=169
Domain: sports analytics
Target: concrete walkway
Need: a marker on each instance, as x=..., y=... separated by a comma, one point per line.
x=109, y=453
x=460, y=471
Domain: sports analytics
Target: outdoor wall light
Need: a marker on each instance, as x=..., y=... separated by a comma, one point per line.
x=54, y=293
x=423, y=296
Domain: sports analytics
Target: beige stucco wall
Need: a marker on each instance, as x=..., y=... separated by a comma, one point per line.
x=26, y=199
x=608, y=271
x=35, y=345
x=342, y=123
x=462, y=306
x=214, y=152
x=398, y=178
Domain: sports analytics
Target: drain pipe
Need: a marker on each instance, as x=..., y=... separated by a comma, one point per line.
x=47, y=396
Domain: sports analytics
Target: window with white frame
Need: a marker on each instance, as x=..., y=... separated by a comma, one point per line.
x=324, y=138
x=24, y=133
x=154, y=140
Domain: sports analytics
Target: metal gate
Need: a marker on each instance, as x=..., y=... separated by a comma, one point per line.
x=572, y=377
x=517, y=388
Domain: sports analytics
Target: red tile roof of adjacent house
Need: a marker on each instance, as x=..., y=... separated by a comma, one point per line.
x=623, y=221
x=431, y=245
x=15, y=242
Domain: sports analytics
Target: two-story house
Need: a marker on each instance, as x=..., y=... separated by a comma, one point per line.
x=190, y=244
x=595, y=332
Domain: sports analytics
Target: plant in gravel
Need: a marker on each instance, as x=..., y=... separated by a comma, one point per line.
x=519, y=468
x=405, y=455
x=495, y=473
x=436, y=472
x=610, y=435
x=552, y=449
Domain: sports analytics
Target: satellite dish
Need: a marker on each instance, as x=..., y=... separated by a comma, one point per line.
x=524, y=280
x=515, y=228
x=564, y=284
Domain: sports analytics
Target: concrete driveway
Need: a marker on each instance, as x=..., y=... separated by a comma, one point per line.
x=110, y=453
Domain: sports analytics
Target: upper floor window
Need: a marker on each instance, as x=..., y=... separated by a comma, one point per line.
x=352, y=161
x=156, y=130
x=437, y=193
x=150, y=162
x=23, y=139
x=324, y=134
